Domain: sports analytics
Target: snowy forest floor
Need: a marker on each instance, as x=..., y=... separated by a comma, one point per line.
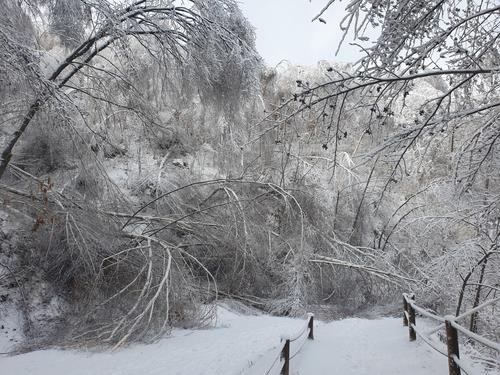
x=247, y=345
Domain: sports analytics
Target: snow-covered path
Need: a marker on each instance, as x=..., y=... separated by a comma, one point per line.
x=360, y=346
x=248, y=345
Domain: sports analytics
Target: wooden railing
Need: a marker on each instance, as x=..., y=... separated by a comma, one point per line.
x=283, y=358
x=449, y=322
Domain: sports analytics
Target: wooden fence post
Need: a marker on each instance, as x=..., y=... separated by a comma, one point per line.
x=411, y=319
x=452, y=344
x=405, y=310
x=311, y=327
x=285, y=354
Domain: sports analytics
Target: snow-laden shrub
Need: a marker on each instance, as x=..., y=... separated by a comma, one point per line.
x=116, y=288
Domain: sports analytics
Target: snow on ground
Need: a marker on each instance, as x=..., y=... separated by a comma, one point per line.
x=248, y=345
x=360, y=346
x=10, y=333
x=231, y=347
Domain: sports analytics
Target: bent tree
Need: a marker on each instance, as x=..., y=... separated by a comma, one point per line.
x=160, y=27
x=124, y=58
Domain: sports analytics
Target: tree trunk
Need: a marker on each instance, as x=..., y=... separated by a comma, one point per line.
x=7, y=152
x=477, y=298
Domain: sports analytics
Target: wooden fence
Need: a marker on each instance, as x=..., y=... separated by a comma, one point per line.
x=284, y=357
x=449, y=322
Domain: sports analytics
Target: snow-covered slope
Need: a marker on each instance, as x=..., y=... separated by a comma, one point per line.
x=248, y=345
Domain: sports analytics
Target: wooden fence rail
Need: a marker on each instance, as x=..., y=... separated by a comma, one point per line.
x=449, y=322
x=284, y=356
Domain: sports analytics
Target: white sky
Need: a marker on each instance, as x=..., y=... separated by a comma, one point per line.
x=285, y=31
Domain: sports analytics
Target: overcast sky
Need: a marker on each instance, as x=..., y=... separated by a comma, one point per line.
x=285, y=31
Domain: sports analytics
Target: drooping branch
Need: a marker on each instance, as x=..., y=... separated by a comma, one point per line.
x=138, y=20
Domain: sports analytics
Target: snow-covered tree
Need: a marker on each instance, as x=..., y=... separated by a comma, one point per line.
x=94, y=30
x=429, y=85
x=83, y=82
